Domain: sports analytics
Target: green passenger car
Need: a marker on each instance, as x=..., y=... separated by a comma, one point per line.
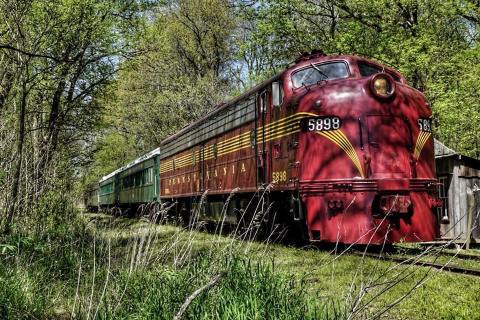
x=139, y=183
x=91, y=198
x=107, y=191
x=135, y=183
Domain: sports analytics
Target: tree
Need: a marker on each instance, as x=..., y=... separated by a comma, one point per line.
x=181, y=74
x=60, y=55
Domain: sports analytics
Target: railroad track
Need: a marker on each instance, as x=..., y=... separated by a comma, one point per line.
x=458, y=255
x=411, y=261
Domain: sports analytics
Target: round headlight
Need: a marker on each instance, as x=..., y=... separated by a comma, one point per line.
x=382, y=85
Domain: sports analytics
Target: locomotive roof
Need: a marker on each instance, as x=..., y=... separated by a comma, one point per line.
x=222, y=107
x=140, y=159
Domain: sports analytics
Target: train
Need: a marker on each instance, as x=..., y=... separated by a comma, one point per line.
x=338, y=148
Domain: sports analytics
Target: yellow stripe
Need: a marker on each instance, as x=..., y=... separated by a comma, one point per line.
x=234, y=144
x=280, y=135
x=422, y=143
x=243, y=144
x=427, y=135
x=352, y=152
x=243, y=140
x=273, y=130
x=226, y=143
x=421, y=140
x=339, y=138
x=415, y=153
x=284, y=122
x=234, y=150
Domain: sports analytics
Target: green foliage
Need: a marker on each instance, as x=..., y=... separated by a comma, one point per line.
x=249, y=290
x=180, y=75
x=57, y=59
x=433, y=43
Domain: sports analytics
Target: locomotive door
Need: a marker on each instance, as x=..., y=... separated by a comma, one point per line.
x=263, y=158
x=200, y=182
x=282, y=141
x=389, y=142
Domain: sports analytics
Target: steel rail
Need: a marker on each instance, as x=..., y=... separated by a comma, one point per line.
x=410, y=261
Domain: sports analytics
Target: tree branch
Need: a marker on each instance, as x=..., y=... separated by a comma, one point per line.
x=29, y=54
x=189, y=300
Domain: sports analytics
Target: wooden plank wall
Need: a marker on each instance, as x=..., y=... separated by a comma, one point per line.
x=465, y=174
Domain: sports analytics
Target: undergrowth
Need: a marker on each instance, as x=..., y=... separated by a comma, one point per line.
x=73, y=273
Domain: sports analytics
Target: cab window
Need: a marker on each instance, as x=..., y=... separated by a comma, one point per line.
x=367, y=70
x=320, y=72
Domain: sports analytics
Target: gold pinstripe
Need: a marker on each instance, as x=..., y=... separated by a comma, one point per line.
x=339, y=138
x=275, y=126
x=274, y=130
x=421, y=140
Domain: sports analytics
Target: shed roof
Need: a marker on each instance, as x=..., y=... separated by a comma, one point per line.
x=442, y=150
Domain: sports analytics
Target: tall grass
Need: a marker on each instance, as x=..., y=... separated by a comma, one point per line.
x=116, y=268
x=89, y=273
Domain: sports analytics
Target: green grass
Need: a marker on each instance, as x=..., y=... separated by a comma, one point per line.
x=128, y=270
x=107, y=268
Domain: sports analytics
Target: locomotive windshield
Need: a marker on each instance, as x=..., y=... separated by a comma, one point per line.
x=319, y=72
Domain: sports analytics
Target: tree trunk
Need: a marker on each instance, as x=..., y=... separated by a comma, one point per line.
x=10, y=209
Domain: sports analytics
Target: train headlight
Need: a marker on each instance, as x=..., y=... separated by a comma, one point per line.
x=382, y=85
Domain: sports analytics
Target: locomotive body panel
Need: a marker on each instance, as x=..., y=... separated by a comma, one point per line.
x=219, y=165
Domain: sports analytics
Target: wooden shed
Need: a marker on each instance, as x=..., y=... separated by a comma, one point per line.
x=459, y=176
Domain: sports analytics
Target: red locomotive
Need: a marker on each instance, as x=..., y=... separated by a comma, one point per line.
x=344, y=144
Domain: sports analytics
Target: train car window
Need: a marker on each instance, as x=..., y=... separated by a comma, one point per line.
x=367, y=70
x=320, y=72
x=263, y=102
x=277, y=94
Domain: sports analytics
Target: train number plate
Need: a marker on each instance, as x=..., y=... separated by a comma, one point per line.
x=425, y=124
x=321, y=124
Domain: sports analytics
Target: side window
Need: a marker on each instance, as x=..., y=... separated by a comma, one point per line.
x=367, y=70
x=443, y=213
x=277, y=94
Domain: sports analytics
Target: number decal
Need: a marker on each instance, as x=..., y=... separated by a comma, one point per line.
x=279, y=176
x=425, y=124
x=327, y=123
x=321, y=124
